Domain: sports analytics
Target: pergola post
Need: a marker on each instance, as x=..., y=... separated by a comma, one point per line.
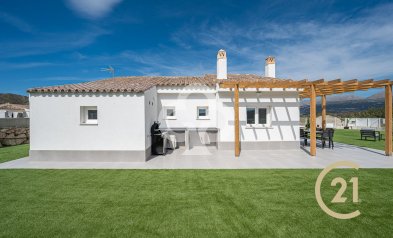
x=388, y=120
x=237, y=129
x=313, y=126
x=323, y=104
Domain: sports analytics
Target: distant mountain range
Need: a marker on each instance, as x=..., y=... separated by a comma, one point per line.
x=345, y=103
x=13, y=98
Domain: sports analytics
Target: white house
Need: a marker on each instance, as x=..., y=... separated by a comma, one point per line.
x=110, y=119
x=9, y=110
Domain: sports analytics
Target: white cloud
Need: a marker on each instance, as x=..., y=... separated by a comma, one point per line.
x=92, y=9
x=360, y=47
x=16, y=22
x=169, y=63
x=47, y=43
x=25, y=65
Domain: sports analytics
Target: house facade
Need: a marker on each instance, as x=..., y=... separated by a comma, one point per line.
x=110, y=120
x=9, y=110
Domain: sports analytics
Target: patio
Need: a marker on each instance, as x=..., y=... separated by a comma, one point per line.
x=209, y=158
x=312, y=90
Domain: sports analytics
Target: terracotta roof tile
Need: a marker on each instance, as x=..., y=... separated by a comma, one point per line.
x=249, y=78
x=143, y=83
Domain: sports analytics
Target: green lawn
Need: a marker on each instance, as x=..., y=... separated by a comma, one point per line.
x=13, y=152
x=188, y=203
x=352, y=137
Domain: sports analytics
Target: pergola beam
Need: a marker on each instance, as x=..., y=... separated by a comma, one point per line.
x=323, y=105
x=348, y=86
x=388, y=120
x=237, y=127
x=334, y=82
x=312, y=89
x=313, y=123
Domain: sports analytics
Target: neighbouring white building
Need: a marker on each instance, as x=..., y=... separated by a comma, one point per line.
x=110, y=120
x=9, y=110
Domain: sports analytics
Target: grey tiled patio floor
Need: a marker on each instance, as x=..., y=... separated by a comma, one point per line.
x=203, y=158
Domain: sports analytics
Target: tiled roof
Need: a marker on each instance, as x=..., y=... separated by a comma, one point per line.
x=249, y=78
x=143, y=83
x=15, y=107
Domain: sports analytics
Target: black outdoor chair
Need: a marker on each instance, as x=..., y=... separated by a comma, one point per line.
x=327, y=135
x=303, y=136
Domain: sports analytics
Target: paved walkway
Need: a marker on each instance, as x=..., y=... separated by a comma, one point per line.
x=203, y=158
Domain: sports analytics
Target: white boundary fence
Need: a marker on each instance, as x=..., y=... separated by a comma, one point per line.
x=358, y=123
x=353, y=123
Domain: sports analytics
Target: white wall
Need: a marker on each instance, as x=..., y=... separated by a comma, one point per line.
x=186, y=100
x=284, y=114
x=55, y=122
x=2, y=113
x=270, y=70
x=124, y=120
x=150, y=113
x=12, y=114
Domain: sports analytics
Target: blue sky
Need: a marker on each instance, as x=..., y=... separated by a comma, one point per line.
x=58, y=42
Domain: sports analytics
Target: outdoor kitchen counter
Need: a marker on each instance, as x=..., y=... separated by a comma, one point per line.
x=187, y=132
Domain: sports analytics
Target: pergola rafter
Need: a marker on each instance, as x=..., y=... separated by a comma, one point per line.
x=313, y=89
x=336, y=86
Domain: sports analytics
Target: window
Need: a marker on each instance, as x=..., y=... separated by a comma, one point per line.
x=262, y=116
x=250, y=116
x=203, y=113
x=170, y=113
x=89, y=115
x=258, y=116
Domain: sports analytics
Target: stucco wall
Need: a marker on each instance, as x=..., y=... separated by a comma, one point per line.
x=124, y=120
x=284, y=115
x=186, y=100
x=55, y=122
x=150, y=113
x=2, y=113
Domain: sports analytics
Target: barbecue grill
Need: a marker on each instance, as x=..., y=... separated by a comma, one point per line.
x=158, y=141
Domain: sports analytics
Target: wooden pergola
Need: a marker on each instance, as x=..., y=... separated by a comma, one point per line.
x=313, y=89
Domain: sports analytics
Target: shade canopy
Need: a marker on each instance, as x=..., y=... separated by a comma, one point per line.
x=313, y=89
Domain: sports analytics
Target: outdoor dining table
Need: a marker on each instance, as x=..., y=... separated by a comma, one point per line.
x=307, y=132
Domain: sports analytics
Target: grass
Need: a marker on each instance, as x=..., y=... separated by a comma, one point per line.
x=188, y=203
x=352, y=137
x=13, y=152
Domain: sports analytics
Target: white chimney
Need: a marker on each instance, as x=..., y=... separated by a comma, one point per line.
x=270, y=67
x=221, y=64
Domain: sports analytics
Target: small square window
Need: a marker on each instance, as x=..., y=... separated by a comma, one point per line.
x=169, y=113
x=203, y=113
x=88, y=115
x=92, y=114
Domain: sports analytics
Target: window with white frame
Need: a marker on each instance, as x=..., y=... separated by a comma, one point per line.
x=89, y=115
x=258, y=116
x=169, y=113
x=203, y=113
